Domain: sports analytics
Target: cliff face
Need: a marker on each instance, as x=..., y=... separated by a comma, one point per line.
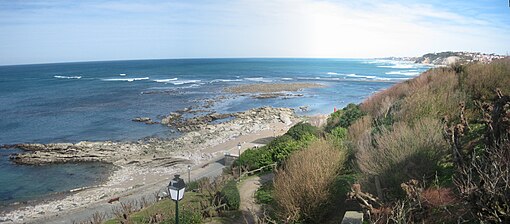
x=449, y=57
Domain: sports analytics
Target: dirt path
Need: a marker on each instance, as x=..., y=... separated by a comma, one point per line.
x=250, y=209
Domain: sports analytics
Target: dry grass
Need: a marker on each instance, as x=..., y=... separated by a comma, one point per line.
x=359, y=128
x=303, y=185
x=439, y=98
x=438, y=197
x=404, y=152
x=481, y=81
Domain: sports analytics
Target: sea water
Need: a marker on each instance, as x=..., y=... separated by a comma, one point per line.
x=95, y=101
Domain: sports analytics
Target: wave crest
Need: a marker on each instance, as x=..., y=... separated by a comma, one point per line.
x=66, y=77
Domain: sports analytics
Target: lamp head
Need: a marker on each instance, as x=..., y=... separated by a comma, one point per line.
x=176, y=188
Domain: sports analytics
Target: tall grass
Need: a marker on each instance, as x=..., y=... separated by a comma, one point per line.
x=481, y=81
x=403, y=152
x=303, y=186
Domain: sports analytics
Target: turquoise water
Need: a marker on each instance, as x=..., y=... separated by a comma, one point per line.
x=72, y=102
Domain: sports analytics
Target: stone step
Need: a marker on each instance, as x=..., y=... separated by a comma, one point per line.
x=353, y=217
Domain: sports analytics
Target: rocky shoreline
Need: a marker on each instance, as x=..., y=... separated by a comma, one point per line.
x=200, y=133
x=141, y=164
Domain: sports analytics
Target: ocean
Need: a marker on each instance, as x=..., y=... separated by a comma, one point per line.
x=96, y=101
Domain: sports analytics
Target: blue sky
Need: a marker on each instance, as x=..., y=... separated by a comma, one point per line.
x=62, y=31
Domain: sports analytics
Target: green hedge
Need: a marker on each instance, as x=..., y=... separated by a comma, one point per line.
x=301, y=130
x=278, y=149
x=344, y=117
x=230, y=195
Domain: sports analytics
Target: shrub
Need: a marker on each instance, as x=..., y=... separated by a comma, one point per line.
x=230, y=195
x=264, y=194
x=303, y=186
x=344, y=118
x=280, y=148
x=440, y=98
x=283, y=146
x=358, y=128
x=481, y=81
x=339, y=133
x=301, y=130
x=403, y=153
x=256, y=157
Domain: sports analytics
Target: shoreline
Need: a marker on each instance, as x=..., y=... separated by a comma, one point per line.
x=146, y=174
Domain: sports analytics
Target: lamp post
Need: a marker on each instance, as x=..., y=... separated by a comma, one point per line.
x=176, y=189
x=239, y=150
x=189, y=174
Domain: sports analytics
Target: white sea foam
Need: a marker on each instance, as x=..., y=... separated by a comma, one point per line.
x=403, y=66
x=122, y=74
x=353, y=77
x=182, y=82
x=377, y=61
x=165, y=80
x=259, y=79
x=362, y=76
x=287, y=79
x=66, y=77
x=226, y=80
x=332, y=73
x=408, y=73
x=127, y=79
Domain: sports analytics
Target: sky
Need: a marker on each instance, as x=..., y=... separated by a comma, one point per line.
x=47, y=31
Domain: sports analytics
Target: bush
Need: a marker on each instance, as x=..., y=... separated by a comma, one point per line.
x=303, y=186
x=339, y=133
x=481, y=81
x=280, y=148
x=301, y=130
x=283, y=146
x=230, y=195
x=264, y=194
x=255, y=158
x=344, y=118
x=403, y=153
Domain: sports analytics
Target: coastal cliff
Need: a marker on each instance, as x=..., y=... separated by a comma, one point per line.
x=449, y=58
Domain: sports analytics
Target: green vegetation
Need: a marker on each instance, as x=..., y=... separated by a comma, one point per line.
x=230, y=195
x=344, y=118
x=280, y=148
x=264, y=195
x=303, y=187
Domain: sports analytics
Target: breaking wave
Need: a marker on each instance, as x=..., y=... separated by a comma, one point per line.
x=66, y=77
x=127, y=79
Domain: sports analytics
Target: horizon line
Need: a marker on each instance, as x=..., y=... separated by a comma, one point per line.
x=194, y=58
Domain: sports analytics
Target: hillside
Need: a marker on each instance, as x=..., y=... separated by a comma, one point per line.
x=438, y=146
x=449, y=57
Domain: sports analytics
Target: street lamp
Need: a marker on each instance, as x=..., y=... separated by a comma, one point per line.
x=189, y=174
x=239, y=150
x=176, y=189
